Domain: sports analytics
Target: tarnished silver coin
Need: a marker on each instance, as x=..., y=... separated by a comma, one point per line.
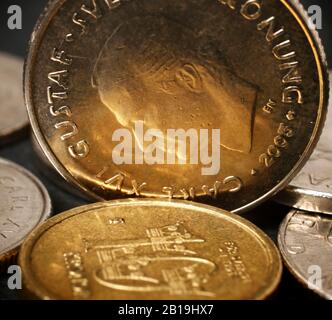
x=305, y=242
x=311, y=190
x=13, y=115
x=24, y=204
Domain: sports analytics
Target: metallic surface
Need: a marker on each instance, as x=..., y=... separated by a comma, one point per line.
x=177, y=65
x=48, y=171
x=24, y=204
x=149, y=249
x=311, y=190
x=305, y=242
x=13, y=115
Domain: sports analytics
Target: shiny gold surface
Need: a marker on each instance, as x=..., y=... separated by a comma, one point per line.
x=251, y=70
x=149, y=249
x=46, y=169
x=311, y=189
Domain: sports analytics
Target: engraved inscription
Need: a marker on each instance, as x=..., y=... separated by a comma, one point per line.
x=291, y=79
x=315, y=181
x=233, y=262
x=77, y=275
x=315, y=225
x=126, y=265
x=8, y=227
x=274, y=152
x=229, y=184
x=269, y=106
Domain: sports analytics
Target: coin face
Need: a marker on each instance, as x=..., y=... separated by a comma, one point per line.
x=311, y=190
x=149, y=249
x=13, y=115
x=190, y=100
x=305, y=242
x=24, y=203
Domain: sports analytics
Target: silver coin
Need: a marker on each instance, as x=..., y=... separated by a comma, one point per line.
x=305, y=242
x=311, y=190
x=24, y=204
x=13, y=115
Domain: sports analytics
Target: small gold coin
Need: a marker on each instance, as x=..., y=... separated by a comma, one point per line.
x=149, y=249
x=13, y=115
x=24, y=203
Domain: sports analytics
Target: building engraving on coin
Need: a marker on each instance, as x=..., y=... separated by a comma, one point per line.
x=125, y=265
x=159, y=255
x=305, y=240
x=218, y=90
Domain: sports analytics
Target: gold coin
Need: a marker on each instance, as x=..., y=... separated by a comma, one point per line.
x=13, y=115
x=149, y=249
x=46, y=169
x=177, y=99
x=24, y=203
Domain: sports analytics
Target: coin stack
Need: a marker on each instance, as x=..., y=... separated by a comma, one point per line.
x=172, y=118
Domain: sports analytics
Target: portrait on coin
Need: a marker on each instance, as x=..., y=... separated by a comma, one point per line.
x=159, y=71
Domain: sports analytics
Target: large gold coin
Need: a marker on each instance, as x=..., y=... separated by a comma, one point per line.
x=179, y=99
x=149, y=249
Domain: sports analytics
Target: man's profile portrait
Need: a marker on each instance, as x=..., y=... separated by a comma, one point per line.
x=159, y=71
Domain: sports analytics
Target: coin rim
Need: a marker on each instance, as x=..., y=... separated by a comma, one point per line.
x=271, y=250
x=15, y=133
x=298, y=197
x=305, y=200
x=297, y=11
x=291, y=266
x=12, y=250
x=48, y=172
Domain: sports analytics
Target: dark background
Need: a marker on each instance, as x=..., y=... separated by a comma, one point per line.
x=268, y=217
